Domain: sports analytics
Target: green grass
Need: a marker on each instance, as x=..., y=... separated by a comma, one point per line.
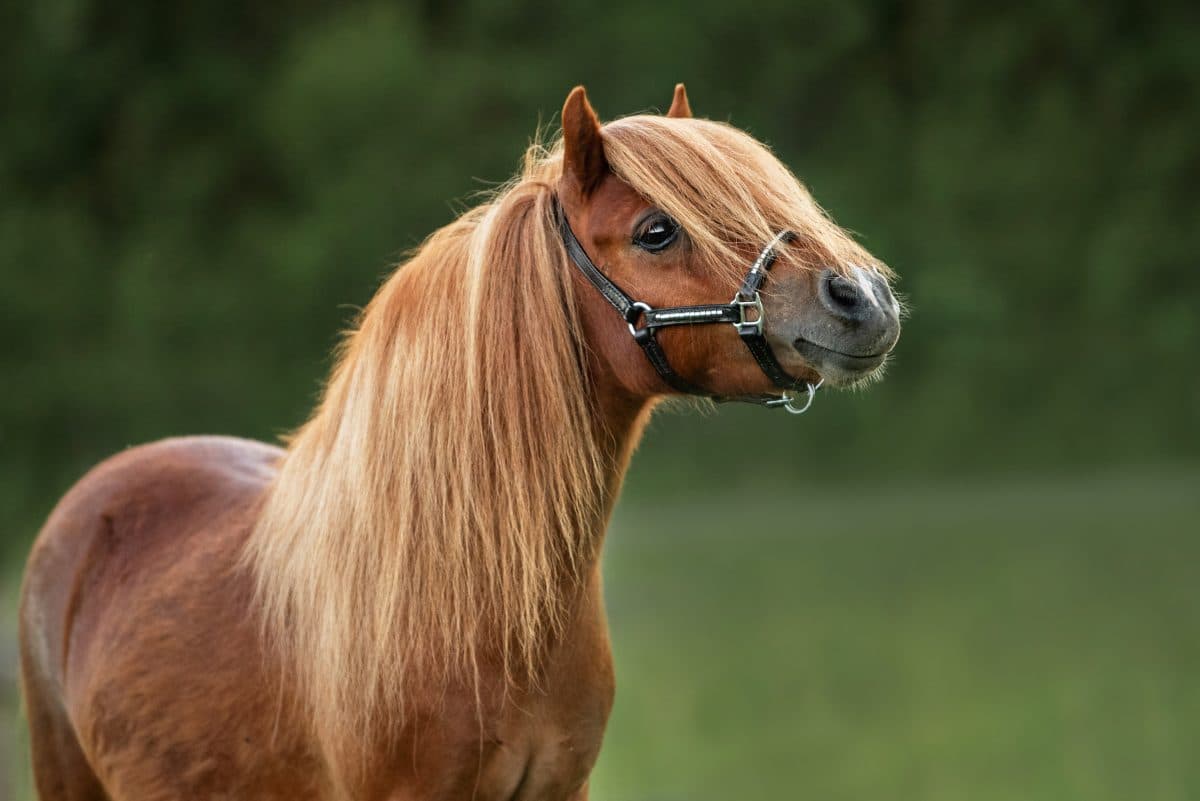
x=1015, y=641
x=1001, y=641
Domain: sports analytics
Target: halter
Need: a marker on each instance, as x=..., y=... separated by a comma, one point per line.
x=744, y=312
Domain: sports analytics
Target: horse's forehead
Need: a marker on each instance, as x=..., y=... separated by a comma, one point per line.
x=612, y=207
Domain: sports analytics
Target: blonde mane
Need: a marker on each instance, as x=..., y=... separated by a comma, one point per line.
x=441, y=504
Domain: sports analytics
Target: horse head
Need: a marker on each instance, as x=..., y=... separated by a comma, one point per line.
x=677, y=213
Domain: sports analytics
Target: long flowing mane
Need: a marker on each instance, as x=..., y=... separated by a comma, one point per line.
x=437, y=508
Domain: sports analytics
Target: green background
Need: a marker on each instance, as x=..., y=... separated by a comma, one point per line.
x=975, y=580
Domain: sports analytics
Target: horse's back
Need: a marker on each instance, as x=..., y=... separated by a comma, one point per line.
x=119, y=523
x=133, y=597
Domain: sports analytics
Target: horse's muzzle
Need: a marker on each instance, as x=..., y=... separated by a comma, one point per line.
x=850, y=327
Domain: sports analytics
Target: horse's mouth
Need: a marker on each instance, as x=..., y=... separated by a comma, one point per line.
x=838, y=366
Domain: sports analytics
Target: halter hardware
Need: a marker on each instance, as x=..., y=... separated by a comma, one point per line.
x=636, y=311
x=745, y=326
x=745, y=313
x=789, y=398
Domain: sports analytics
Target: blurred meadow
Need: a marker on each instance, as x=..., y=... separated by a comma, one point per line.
x=977, y=579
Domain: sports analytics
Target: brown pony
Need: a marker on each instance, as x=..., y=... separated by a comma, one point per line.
x=405, y=602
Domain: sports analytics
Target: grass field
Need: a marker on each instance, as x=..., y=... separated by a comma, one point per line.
x=1015, y=641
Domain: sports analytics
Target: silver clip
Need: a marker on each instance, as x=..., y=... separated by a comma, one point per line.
x=790, y=398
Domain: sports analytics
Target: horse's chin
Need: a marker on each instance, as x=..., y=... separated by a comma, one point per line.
x=839, y=369
x=856, y=380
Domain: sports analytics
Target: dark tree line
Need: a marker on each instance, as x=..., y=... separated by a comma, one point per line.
x=194, y=195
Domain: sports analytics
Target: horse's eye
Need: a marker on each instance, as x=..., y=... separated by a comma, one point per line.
x=656, y=234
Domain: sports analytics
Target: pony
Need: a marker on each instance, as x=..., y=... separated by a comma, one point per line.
x=404, y=602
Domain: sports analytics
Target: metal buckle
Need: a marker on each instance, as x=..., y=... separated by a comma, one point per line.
x=636, y=310
x=745, y=326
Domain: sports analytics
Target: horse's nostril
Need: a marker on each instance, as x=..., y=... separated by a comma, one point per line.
x=843, y=292
x=842, y=297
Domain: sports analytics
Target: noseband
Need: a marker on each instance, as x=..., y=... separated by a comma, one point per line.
x=744, y=312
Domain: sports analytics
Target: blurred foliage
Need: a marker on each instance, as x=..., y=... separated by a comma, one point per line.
x=196, y=195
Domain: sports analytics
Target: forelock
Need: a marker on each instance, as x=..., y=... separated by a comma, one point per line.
x=727, y=190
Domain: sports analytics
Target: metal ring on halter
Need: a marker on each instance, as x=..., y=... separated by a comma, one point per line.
x=789, y=399
x=631, y=315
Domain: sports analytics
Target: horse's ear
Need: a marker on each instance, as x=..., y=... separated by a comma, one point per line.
x=679, y=104
x=583, y=149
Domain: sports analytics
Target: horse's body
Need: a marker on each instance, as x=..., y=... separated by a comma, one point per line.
x=139, y=558
x=405, y=603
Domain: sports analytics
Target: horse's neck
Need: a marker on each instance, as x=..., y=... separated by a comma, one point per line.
x=622, y=420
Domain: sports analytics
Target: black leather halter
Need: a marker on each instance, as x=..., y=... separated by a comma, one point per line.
x=744, y=312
